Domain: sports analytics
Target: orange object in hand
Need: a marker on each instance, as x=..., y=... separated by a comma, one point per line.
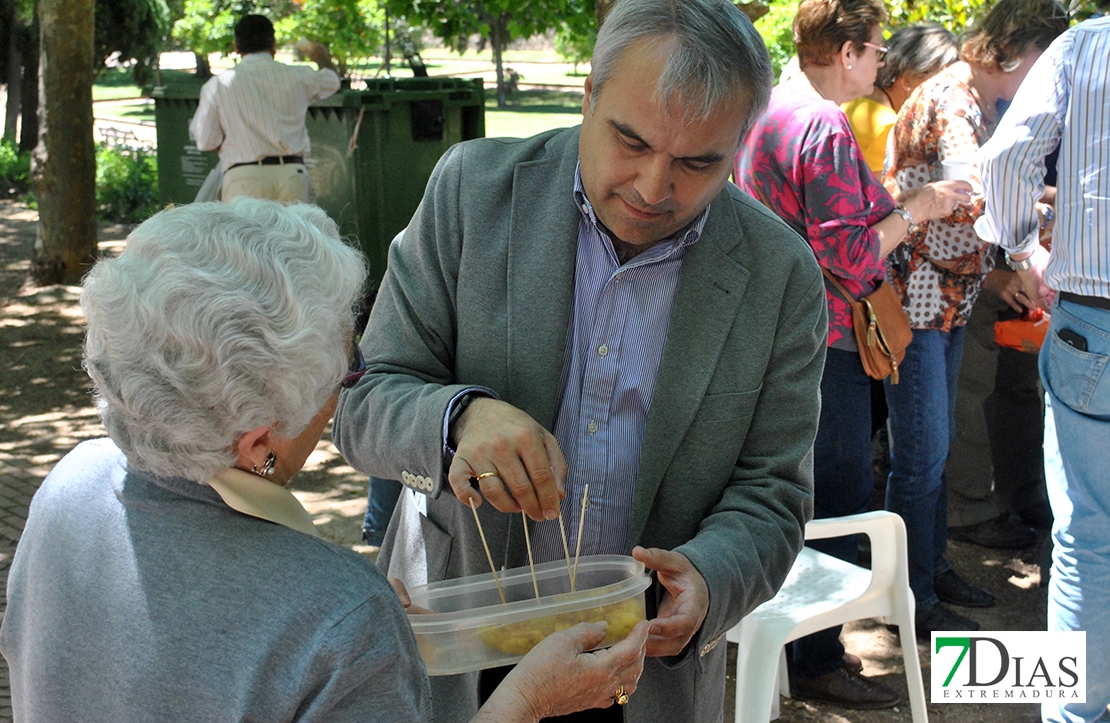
x=1025, y=334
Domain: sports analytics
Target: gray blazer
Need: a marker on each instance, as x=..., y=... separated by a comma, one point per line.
x=479, y=291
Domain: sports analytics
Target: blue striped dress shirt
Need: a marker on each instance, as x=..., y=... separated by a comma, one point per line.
x=1064, y=100
x=614, y=345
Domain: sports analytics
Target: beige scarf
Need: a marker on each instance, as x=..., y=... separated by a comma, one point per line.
x=252, y=495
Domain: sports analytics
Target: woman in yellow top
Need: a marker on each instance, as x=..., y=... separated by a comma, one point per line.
x=914, y=54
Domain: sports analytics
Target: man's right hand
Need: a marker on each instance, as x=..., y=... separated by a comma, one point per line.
x=528, y=466
x=316, y=52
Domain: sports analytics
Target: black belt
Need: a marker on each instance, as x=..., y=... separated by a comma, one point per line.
x=1098, y=302
x=271, y=161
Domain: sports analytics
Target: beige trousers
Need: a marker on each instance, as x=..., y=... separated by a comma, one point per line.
x=286, y=183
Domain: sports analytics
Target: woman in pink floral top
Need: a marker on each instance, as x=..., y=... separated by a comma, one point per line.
x=804, y=163
x=938, y=273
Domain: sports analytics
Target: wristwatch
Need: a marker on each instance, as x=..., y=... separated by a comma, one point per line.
x=1023, y=265
x=905, y=214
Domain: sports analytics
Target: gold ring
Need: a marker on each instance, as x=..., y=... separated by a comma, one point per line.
x=621, y=697
x=482, y=476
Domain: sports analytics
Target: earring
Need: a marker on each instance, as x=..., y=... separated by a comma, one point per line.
x=267, y=466
x=849, y=67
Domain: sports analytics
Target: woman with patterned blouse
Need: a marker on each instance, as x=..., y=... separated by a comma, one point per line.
x=803, y=162
x=938, y=273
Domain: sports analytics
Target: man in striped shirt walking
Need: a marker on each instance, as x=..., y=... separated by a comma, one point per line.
x=1065, y=100
x=254, y=115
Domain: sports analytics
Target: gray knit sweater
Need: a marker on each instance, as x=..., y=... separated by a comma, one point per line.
x=134, y=598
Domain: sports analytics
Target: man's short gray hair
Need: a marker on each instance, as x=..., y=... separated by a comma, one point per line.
x=719, y=58
x=218, y=319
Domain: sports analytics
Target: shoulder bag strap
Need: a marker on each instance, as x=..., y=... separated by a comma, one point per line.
x=839, y=286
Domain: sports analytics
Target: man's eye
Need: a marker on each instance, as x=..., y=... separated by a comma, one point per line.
x=630, y=145
x=698, y=165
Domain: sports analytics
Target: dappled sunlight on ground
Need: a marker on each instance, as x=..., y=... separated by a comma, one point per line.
x=46, y=407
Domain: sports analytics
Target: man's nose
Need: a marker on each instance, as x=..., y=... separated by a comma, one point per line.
x=653, y=183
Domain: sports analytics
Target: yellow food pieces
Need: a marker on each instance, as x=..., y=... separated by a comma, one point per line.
x=520, y=637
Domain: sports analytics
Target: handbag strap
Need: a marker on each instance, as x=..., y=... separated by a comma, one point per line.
x=839, y=286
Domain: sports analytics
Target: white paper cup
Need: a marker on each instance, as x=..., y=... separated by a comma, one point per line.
x=958, y=170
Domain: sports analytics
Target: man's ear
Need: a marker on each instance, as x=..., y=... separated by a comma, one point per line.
x=253, y=447
x=587, y=93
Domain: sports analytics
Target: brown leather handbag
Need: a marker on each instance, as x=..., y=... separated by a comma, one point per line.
x=882, y=329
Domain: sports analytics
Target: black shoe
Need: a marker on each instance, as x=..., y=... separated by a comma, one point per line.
x=1037, y=515
x=847, y=689
x=999, y=534
x=954, y=590
x=939, y=618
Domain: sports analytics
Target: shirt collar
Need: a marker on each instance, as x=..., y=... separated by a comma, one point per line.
x=685, y=236
x=260, y=57
x=258, y=497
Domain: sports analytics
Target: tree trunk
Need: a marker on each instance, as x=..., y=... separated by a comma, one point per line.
x=14, y=81
x=204, y=70
x=497, y=34
x=63, y=165
x=29, y=93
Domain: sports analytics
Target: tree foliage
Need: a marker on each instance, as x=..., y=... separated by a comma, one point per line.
x=496, y=22
x=575, y=36
x=351, y=29
x=135, y=29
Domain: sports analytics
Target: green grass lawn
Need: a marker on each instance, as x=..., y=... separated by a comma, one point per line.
x=531, y=112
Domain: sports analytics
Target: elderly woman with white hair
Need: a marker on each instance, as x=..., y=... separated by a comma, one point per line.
x=166, y=573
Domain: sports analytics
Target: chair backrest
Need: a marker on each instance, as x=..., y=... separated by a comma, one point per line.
x=887, y=531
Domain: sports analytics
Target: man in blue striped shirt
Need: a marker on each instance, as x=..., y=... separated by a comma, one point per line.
x=1065, y=100
x=600, y=306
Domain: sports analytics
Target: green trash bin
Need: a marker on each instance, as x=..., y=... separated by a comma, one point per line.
x=181, y=167
x=372, y=151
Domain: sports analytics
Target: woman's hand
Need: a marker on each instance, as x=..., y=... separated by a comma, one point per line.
x=938, y=199
x=558, y=678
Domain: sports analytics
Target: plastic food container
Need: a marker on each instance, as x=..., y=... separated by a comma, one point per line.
x=471, y=629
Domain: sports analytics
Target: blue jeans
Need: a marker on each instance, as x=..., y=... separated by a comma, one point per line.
x=1078, y=386
x=842, y=485
x=381, y=498
x=922, y=424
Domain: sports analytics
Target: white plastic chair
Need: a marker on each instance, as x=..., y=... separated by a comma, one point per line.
x=820, y=592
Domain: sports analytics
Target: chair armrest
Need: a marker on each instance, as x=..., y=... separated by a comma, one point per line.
x=888, y=539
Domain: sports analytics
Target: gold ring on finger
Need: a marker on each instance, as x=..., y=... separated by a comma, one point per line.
x=620, y=696
x=482, y=476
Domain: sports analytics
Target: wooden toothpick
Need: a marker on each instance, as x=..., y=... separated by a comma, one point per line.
x=531, y=562
x=578, y=542
x=489, y=557
x=566, y=549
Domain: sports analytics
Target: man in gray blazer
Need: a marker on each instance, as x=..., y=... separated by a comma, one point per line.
x=600, y=306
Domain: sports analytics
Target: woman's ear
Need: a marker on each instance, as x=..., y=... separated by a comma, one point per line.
x=253, y=447
x=848, y=55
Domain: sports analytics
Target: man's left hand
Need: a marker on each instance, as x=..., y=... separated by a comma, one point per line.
x=1032, y=280
x=684, y=605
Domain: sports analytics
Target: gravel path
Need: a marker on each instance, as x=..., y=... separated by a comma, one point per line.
x=45, y=410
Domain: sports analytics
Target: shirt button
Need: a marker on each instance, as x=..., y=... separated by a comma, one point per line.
x=591, y=427
x=585, y=209
x=603, y=350
x=619, y=276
